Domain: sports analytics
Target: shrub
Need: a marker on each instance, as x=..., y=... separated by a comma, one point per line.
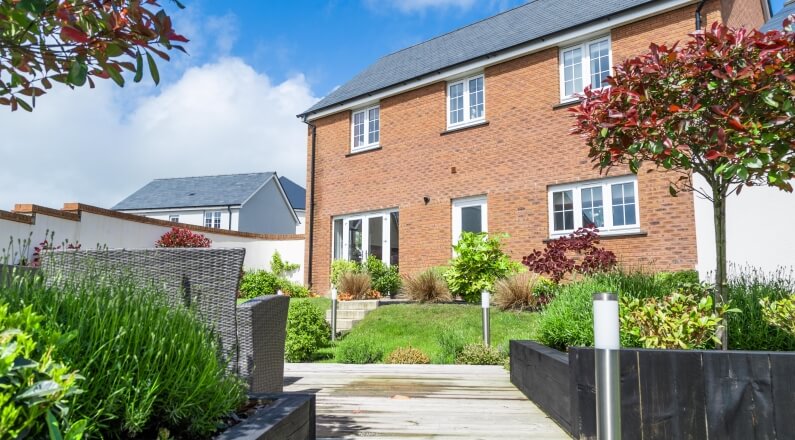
x=385, y=279
x=426, y=286
x=479, y=354
x=450, y=346
x=780, y=313
x=359, y=351
x=643, y=283
x=35, y=386
x=341, y=267
x=568, y=318
x=522, y=291
x=478, y=263
x=182, y=238
x=357, y=285
x=294, y=290
x=557, y=259
x=307, y=331
x=407, y=355
x=258, y=283
x=147, y=364
x=749, y=330
x=682, y=320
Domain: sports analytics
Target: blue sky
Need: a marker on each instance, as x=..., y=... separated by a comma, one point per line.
x=229, y=107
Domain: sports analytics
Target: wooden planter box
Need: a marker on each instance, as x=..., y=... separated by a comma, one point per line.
x=666, y=394
x=290, y=417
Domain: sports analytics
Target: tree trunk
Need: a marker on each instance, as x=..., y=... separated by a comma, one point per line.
x=721, y=291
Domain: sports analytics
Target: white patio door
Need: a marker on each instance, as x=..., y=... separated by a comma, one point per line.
x=365, y=235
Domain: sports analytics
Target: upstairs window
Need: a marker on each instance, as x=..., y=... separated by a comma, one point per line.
x=582, y=65
x=212, y=219
x=611, y=205
x=466, y=101
x=365, y=129
x=173, y=218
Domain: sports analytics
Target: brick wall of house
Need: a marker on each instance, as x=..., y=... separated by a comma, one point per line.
x=524, y=148
x=743, y=13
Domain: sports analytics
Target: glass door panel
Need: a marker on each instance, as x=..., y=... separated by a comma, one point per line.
x=375, y=237
x=355, y=240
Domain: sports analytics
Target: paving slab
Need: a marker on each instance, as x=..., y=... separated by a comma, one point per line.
x=419, y=402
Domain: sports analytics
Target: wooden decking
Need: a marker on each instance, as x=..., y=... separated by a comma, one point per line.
x=418, y=402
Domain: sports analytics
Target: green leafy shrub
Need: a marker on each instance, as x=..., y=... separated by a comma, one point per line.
x=568, y=318
x=148, y=365
x=355, y=285
x=479, y=354
x=407, y=355
x=359, y=351
x=522, y=291
x=427, y=286
x=282, y=268
x=307, y=331
x=780, y=313
x=340, y=267
x=750, y=330
x=261, y=282
x=385, y=279
x=644, y=283
x=36, y=388
x=450, y=346
x=681, y=320
x=478, y=263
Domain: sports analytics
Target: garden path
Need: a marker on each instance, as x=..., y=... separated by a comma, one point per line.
x=418, y=401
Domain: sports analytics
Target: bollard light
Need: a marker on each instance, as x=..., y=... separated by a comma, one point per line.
x=608, y=378
x=333, y=313
x=485, y=298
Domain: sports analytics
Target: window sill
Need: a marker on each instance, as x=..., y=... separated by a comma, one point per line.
x=363, y=150
x=464, y=127
x=567, y=103
x=608, y=235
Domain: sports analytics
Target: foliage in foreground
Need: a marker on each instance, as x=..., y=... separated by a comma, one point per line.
x=479, y=354
x=147, y=365
x=35, y=386
x=407, y=355
x=749, y=330
x=307, y=331
x=478, y=263
x=780, y=313
x=426, y=286
x=359, y=351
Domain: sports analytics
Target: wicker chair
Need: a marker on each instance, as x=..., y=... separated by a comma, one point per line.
x=252, y=335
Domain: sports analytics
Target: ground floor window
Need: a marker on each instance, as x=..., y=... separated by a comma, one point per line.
x=611, y=205
x=356, y=237
x=469, y=215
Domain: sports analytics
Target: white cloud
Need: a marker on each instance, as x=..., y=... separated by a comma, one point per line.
x=408, y=6
x=98, y=146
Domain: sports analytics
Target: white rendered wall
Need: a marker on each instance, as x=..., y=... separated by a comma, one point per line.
x=300, y=228
x=758, y=229
x=100, y=230
x=193, y=217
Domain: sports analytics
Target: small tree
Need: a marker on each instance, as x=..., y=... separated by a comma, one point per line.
x=559, y=256
x=71, y=41
x=182, y=238
x=720, y=106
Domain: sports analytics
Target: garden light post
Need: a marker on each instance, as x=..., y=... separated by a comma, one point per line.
x=333, y=313
x=607, y=345
x=484, y=303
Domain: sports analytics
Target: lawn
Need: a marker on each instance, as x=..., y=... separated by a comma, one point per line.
x=421, y=325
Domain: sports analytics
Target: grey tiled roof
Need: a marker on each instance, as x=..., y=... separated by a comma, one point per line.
x=187, y=192
x=523, y=24
x=777, y=20
x=296, y=193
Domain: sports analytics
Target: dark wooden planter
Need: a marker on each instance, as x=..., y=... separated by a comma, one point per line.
x=666, y=394
x=290, y=417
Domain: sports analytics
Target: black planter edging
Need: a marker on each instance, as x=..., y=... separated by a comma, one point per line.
x=290, y=417
x=542, y=374
x=669, y=394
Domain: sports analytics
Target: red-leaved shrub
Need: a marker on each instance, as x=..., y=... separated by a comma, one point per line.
x=558, y=257
x=182, y=238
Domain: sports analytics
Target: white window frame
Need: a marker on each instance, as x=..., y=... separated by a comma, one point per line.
x=586, y=64
x=214, y=218
x=465, y=81
x=364, y=217
x=607, y=205
x=366, y=145
x=466, y=202
x=173, y=218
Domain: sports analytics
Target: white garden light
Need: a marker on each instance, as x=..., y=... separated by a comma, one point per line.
x=485, y=303
x=608, y=380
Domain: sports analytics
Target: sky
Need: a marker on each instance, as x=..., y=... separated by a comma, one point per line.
x=228, y=107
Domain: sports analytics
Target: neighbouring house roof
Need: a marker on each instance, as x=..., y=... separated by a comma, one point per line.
x=532, y=21
x=296, y=193
x=189, y=192
x=776, y=21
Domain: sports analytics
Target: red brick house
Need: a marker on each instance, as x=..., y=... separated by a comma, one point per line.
x=469, y=132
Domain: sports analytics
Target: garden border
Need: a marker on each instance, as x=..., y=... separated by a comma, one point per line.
x=290, y=417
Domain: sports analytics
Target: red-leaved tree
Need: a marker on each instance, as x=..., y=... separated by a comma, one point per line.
x=182, y=238
x=721, y=105
x=73, y=41
x=576, y=252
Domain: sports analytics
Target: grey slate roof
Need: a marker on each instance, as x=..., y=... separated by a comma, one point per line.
x=296, y=193
x=777, y=20
x=188, y=192
x=523, y=24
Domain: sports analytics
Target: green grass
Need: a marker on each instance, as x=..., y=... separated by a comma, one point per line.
x=419, y=326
